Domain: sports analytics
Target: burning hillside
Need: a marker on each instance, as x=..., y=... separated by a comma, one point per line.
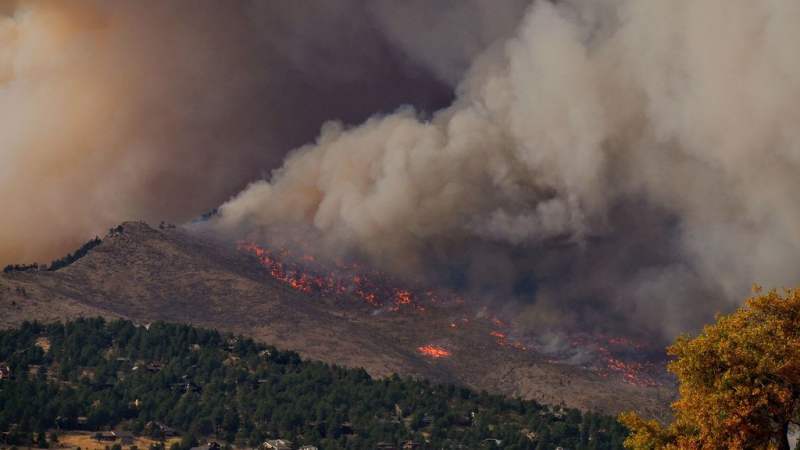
x=311, y=275
x=434, y=351
x=178, y=275
x=609, y=357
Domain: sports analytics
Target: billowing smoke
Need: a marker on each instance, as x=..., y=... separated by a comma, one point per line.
x=614, y=161
x=162, y=110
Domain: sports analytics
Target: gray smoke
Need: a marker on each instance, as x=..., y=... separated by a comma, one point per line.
x=636, y=160
x=162, y=110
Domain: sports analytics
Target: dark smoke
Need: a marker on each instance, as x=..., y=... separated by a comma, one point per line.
x=161, y=110
x=604, y=163
x=614, y=163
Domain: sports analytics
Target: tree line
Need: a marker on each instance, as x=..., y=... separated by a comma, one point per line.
x=153, y=380
x=56, y=263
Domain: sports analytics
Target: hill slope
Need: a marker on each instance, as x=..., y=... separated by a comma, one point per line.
x=146, y=274
x=118, y=375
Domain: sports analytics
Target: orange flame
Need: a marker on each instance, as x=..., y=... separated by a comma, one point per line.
x=635, y=373
x=498, y=334
x=371, y=286
x=402, y=297
x=434, y=351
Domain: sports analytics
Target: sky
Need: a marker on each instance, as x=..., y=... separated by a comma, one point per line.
x=607, y=163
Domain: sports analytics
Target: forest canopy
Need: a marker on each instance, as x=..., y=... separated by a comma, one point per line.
x=91, y=374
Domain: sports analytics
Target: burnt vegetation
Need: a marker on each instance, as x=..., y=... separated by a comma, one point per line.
x=201, y=384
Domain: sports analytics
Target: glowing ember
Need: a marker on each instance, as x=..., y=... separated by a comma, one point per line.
x=311, y=275
x=504, y=341
x=402, y=297
x=433, y=351
x=498, y=322
x=610, y=352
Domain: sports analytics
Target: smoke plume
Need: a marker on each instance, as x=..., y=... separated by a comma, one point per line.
x=632, y=162
x=162, y=110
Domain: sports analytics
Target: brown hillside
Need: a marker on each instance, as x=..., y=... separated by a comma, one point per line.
x=146, y=274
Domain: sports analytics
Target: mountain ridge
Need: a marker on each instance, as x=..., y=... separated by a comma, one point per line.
x=172, y=274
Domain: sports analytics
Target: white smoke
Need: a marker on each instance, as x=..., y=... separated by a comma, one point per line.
x=655, y=142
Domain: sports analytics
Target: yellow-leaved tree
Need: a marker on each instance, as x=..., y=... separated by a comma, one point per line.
x=739, y=381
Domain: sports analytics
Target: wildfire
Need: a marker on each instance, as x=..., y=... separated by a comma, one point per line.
x=498, y=322
x=498, y=335
x=308, y=274
x=305, y=273
x=503, y=340
x=433, y=351
x=608, y=349
x=402, y=297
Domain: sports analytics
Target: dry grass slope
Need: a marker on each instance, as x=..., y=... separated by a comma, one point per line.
x=147, y=274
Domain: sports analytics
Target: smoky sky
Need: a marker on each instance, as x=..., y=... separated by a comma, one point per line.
x=603, y=163
x=162, y=110
x=634, y=164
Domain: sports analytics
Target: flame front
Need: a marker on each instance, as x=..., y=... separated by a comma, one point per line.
x=374, y=288
x=607, y=349
x=434, y=351
x=307, y=274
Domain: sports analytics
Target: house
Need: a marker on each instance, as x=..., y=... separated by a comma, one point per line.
x=410, y=445
x=210, y=445
x=105, y=436
x=43, y=343
x=126, y=438
x=277, y=444
x=346, y=428
x=153, y=428
x=5, y=372
x=492, y=441
x=187, y=386
x=531, y=435
x=154, y=367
